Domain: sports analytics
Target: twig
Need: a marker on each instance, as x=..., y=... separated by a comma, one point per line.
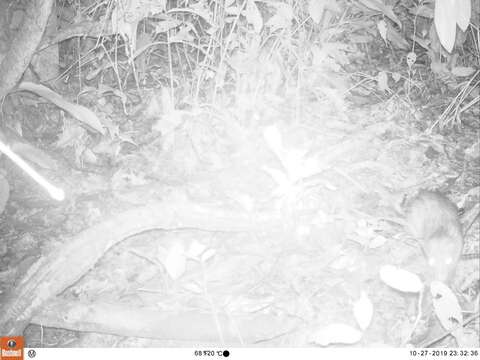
x=449, y=332
x=419, y=315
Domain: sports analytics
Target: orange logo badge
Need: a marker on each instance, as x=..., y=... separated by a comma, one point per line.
x=11, y=348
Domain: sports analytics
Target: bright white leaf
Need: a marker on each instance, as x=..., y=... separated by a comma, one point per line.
x=446, y=305
x=363, y=311
x=382, y=29
x=464, y=12
x=336, y=334
x=329, y=186
x=400, y=279
x=377, y=242
x=445, y=22
x=382, y=81
x=175, y=261
x=195, y=249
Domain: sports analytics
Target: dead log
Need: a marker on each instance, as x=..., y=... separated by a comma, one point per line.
x=68, y=262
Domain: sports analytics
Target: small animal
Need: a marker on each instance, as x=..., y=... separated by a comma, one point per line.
x=433, y=220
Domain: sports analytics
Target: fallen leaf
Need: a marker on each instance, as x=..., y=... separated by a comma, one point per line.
x=400, y=279
x=336, y=334
x=363, y=311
